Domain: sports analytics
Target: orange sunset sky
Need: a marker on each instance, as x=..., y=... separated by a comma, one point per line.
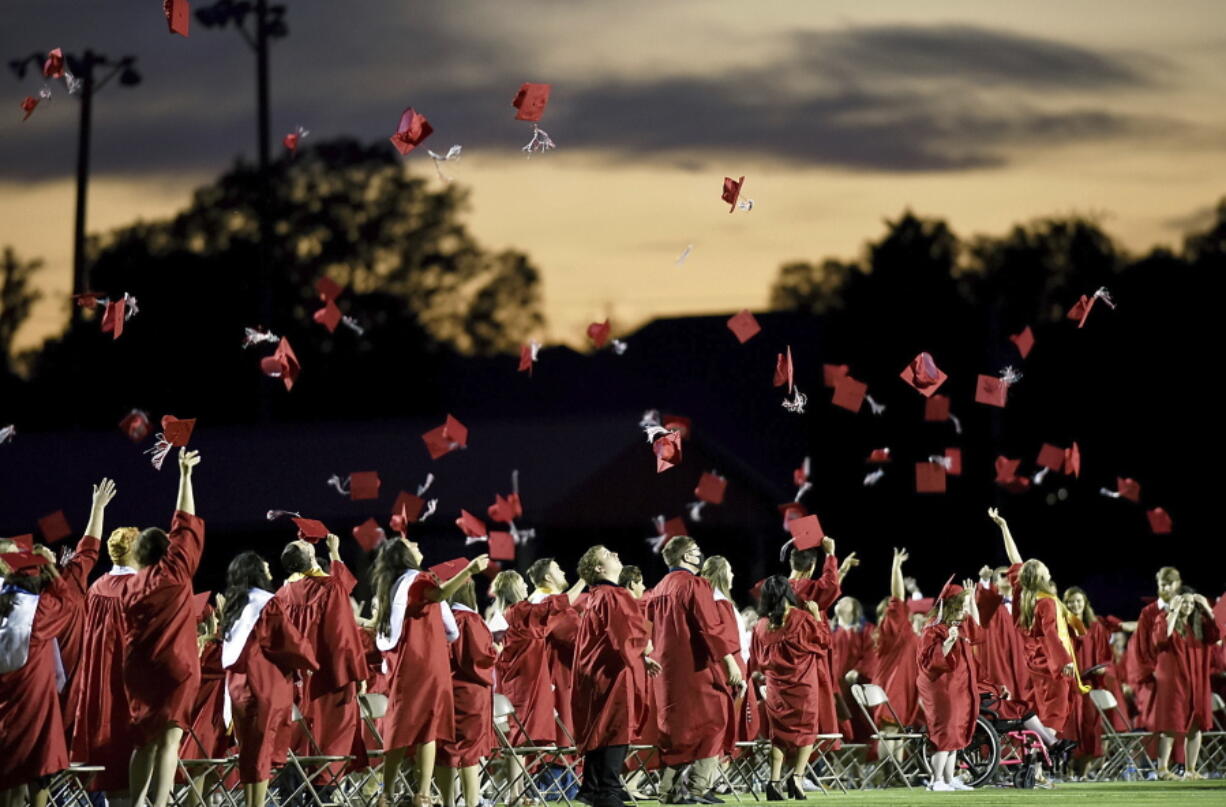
x=838, y=113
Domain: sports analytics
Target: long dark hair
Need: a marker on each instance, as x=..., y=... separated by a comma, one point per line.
x=776, y=596
x=29, y=583
x=245, y=572
x=392, y=561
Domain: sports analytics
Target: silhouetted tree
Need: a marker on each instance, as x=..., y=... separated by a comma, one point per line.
x=815, y=288
x=17, y=298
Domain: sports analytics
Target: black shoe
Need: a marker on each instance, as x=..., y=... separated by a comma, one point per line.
x=709, y=798
x=679, y=796
x=795, y=791
x=772, y=792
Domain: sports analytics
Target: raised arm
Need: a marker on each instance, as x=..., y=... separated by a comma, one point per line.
x=187, y=500
x=475, y=566
x=1014, y=556
x=574, y=591
x=969, y=585
x=898, y=589
x=104, y=491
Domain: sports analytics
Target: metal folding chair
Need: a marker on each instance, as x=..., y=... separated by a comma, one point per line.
x=1119, y=748
x=68, y=786
x=520, y=759
x=909, y=744
x=305, y=775
x=822, y=769
x=1213, y=742
x=213, y=773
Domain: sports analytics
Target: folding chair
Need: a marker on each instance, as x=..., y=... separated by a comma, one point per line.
x=68, y=786
x=639, y=758
x=821, y=768
x=303, y=772
x=1213, y=742
x=212, y=772
x=368, y=784
x=910, y=743
x=521, y=758
x=752, y=767
x=1119, y=748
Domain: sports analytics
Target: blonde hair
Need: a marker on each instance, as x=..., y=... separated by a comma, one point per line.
x=1028, y=580
x=504, y=586
x=717, y=570
x=1088, y=616
x=676, y=548
x=119, y=545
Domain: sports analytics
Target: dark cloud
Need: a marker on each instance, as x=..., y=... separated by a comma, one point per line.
x=891, y=98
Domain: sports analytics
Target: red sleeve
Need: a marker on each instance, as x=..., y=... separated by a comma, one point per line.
x=807, y=637
x=987, y=600
x=892, y=624
x=1210, y=631
x=756, y=661
x=420, y=591
x=706, y=620
x=59, y=603
x=1111, y=623
x=828, y=587
x=627, y=627
x=933, y=662
x=186, y=544
x=473, y=653
x=282, y=643
x=540, y=617
x=342, y=577
x=1049, y=635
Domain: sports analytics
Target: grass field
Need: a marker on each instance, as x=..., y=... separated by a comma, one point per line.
x=1115, y=794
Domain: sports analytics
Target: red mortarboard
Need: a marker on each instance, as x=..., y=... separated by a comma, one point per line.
x=178, y=15
x=505, y=509
x=525, y=359
x=328, y=289
x=54, y=527
x=598, y=332
x=27, y=106
x=177, y=432
x=678, y=423
x=990, y=390
x=113, y=316
x=363, y=485
x=667, y=448
x=471, y=526
x=502, y=546
x=950, y=589
x=53, y=67
x=792, y=511
x=1081, y=309
x=936, y=409
x=921, y=606
x=1051, y=457
x=446, y=438
x=929, y=477
x=675, y=526
x=87, y=299
x=530, y=101
x=26, y=542
x=711, y=488
x=832, y=373
x=923, y=374
x=282, y=364
x=413, y=129
x=879, y=455
x=849, y=393
x=24, y=562
x=408, y=506
x=310, y=530
x=1024, y=341
x=732, y=192
x=449, y=569
x=1006, y=475
x=135, y=425
x=290, y=141
x=1159, y=521
x=954, y=456
x=368, y=534
x=784, y=374
x=806, y=532
x=744, y=325
x=201, y=603
x=1072, y=460
x=329, y=316
x=1130, y=489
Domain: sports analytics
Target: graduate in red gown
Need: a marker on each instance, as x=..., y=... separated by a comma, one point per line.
x=161, y=664
x=36, y=602
x=472, y=687
x=317, y=604
x=207, y=738
x=700, y=673
x=1183, y=636
x=1143, y=654
x=1047, y=636
x=98, y=704
x=947, y=684
x=787, y=650
x=1096, y=660
x=896, y=654
x=414, y=625
x=548, y=579
x=261, y=650
x=645, y=730
x=612, y=644
x=852, y=661
x=1002, y=657
x=743, y=716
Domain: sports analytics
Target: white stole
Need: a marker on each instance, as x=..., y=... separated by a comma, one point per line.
x=15, y=630
x=236, y=639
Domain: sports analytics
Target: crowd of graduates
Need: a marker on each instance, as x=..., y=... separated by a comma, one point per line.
x=138, y=671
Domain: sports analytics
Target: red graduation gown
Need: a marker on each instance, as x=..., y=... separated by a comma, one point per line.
x=262, y=691
x=560, y=644
x=420, y=704
x=1054, y=692
x=1143, y=657
x=318, y=606
x=743, y=714
x=208, y=718
x=948, y=689
x=161, y=665
x=97, y=702
x=790, y=657
x=852, y=649
x=646, y=730
x=897, y=666
x=824, y=591
x=472, y=687
x=609, y=644
x=692, y=693
x=1002, y=655
x=1183, y=700
x=1094, y=648
x=523, y=667
x=32, y=742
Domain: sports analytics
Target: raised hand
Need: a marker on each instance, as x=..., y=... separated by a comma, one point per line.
x=334, y=544
x=900, y=556
x=479, y=564
x=104, y=491
x=188, y=460
x=985, y=573
x=828, y=545
x=996, y=517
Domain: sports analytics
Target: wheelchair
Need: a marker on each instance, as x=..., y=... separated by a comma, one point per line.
x=1002, y=751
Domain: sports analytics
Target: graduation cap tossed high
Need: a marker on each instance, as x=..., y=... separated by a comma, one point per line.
x=1081, y=309
x=529, y=103
x=412, y=130
x=923, y=375
x=444, y=439
x=731, y=194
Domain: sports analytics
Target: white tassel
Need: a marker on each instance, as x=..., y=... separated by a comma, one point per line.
x=874, y=477
x=540, y=142
x=7, y=433
x=515, y=481
x=696, y=510
x=876, y=408
x=939, y=459
x=783, y=551
x=1040, y=475
x=1110, y=494
x=254, y=336
x=1009, y=375
x=802, y=490
x=273, y=515
x=797, y=403
x=653, y=432
x=431, y=506
x=424, y=486
x=352, y=324
x=957, y=423
x=744, y=204
x=1105, y=296
x=129, y=310
x=469, y=540
x=685, y=253
x=657, y=543
x=453, y=154
x=341, y=485
x=619, y=347
x=159, y=451
x=519, y=537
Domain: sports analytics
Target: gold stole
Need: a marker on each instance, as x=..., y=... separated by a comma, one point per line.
x=296, y=576
x=1065, y=638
